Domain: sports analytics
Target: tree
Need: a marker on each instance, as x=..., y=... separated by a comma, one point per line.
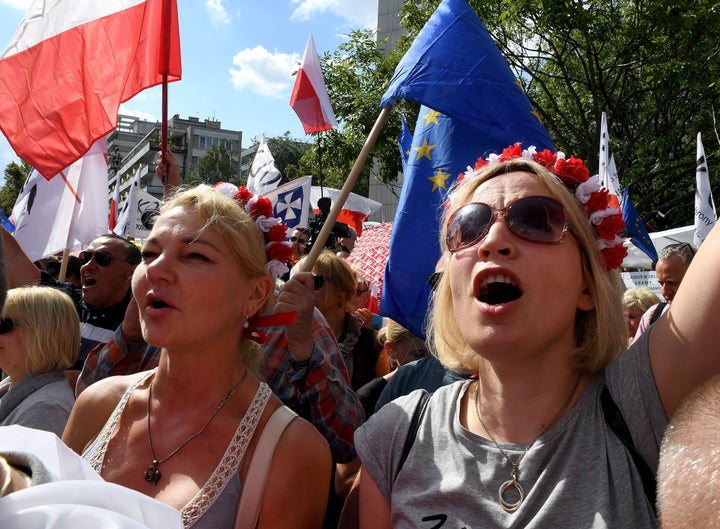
x=217, y=165
x=15, y=176
x=287, y=152
x=651, y=66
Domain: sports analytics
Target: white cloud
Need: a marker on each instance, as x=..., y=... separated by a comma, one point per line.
x=358, y=12
x=17, y=4
x=146, y=116
x=265, y=73
x=218, y=13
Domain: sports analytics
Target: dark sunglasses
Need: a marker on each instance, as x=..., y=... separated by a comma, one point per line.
x=301, y=241
x=536, y=219
x=7, y=325
x=102, y=258
x=318, y=281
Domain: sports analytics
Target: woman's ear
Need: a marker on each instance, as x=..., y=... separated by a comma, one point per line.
x=259, y=295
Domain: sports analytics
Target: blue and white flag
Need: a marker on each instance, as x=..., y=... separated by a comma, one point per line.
x=291, y=202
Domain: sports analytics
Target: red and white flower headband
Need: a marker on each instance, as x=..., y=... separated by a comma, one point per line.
x=278, y=250
x=605, y=218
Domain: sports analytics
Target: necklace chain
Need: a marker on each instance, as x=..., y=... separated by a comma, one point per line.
x=513, y=483
x=152, y=474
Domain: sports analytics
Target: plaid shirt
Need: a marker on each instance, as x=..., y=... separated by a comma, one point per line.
x=319, y=392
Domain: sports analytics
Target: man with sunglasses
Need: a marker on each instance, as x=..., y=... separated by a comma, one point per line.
x=299, y=239
x=673, y=261
x=106, y=268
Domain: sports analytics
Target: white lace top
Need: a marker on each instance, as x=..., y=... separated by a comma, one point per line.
x=226, y=470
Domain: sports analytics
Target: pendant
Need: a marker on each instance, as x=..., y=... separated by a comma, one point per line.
x=152, y=474
x=509, y=506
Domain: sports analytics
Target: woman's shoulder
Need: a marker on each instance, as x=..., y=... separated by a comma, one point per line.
x=110, y=389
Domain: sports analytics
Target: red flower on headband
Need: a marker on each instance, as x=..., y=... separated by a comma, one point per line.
x=480, y=163
x=597, y=201
x=614, y=256
x=610, y=227
x=546, y=158
x=512, y=152
x=261, y=208
x=277, y=233
x=279, y=251
x=243, y=195
x=572, y=171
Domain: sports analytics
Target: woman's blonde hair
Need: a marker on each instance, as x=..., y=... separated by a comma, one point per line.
x=245, y=241
x=393, y=333
x=48, y=322
x=640, y=297
x=598, y=332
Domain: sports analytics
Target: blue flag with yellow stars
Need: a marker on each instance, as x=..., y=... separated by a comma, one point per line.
x=455, y=67
x=635, y=227
x=404, y=143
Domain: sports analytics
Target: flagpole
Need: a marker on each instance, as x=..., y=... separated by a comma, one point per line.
x=165, y=58
x=347, y=187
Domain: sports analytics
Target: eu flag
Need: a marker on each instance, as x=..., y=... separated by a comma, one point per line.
x=635, y=227
x=472, y=106
x=454, y=67
x=404, y=143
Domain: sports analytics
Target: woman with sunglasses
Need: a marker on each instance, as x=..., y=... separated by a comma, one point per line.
x=529, y=300
x=186, y=432
x=39, y=339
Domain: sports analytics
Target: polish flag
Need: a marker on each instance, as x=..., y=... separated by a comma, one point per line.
x=309, y=98
x=355, y=211
x=70, y=65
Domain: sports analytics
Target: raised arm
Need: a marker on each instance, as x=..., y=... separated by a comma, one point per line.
x=685, y=342
x=21, y=271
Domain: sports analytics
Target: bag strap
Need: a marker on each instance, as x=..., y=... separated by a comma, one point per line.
x=614, y=419
x=248, y=510
x=417, y=418
x=658, y=312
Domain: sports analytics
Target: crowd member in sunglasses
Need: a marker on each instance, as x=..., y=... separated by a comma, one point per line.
x=298, y=240
x=39, y=340
x=672, y=264
x=185, y=432
x=106, y=268
x=530, y=300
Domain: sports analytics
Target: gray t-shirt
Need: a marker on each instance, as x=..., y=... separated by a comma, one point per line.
x=578, y=475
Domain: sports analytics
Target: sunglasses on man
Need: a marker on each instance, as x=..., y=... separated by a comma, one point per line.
x=102, y=258
x=537, y=219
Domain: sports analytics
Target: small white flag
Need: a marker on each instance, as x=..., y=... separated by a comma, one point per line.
x=705, y=215
x=291, y=202
x=608, y=174
x=264, y=176
x=67, y=211
x=138, y=213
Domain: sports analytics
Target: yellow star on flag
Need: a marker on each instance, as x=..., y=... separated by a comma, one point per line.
x=431, y=117
x=424, y=150
x=438, y=180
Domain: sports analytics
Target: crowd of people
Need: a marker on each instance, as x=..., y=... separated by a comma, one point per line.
x=210, y=371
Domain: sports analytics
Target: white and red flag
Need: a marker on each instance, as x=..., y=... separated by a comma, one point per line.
x=64, y=212
x=309, y=98
x=356, y=208
x=70, y=65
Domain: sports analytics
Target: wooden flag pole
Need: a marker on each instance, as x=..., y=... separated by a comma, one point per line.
x=63, y=265
x=319, y=244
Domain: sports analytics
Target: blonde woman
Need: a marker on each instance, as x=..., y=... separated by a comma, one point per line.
x=39, y=339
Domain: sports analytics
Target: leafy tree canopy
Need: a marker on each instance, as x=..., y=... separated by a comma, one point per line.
x=15, y=176
x=217, y=165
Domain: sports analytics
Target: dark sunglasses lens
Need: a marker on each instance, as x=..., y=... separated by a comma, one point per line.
x=537, y=219
x=318, y=281
x=103, y=258
x=6, y=325
x=467, y=225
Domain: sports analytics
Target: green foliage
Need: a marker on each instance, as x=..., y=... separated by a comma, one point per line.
x=217, y=165
x=287, y=152
x=15, y=176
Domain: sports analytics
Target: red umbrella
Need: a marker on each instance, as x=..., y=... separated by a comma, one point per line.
x=371, y=253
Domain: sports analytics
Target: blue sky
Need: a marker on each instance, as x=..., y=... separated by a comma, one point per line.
x=238, y=59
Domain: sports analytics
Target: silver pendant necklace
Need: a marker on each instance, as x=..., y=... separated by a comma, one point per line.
x=513, y=483
x=153, y=474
